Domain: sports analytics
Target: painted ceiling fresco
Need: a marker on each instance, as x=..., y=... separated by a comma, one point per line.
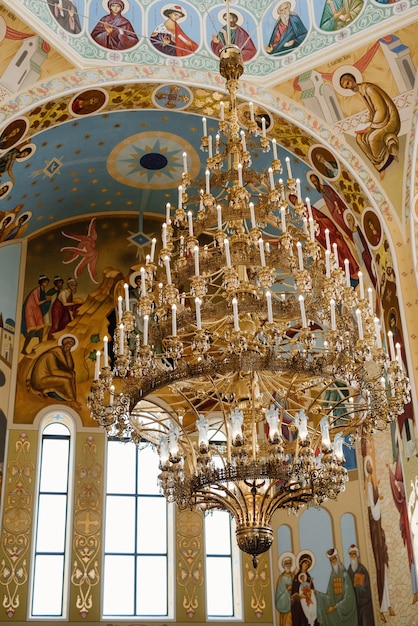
x=77, y=27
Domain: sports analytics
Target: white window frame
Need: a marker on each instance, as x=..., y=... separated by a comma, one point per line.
x=57, y=416
x=236, y=578
x=170, y=561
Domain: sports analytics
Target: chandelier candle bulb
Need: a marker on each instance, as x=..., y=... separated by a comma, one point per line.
x=300, y=255
x=167, y=213
x=120, y=312
x=105, y=352
x=283, y=219
x=252, y=215
x=302, y=311
x=126, y=289
x=251, y=111
x=391, y=346
x=164, y=235
x=263, y=126
x=143, y=285
x=243, y=141
x=370, y=296
x=269, y=307
x=97, y=365
x=335, y=249
x=262, y=255
x=207, y=177
x=377, y=332
x=240, y=174
x=205, y=127
x=167, y=269
x=235, y=314
x=196, y=260
x=305, y=225
x=274, y=144
x=219, y=212
x=333, y=319
x=174, y=320
x=311, y=229
x=289, y=168
x=299, y=197
x=227, y=253
x=398, y=353
x=359, y=324
x=222, y=110
x=361, y=285
x=327, y=263
x=198, y=317
x=327, y=240
x=145, y=330
x=180, y=197
x=210, y=151
x=347, y=272
x=121, y=339
x=190, y=221
x=185, y=162
x=271, y=177
x=308, y=205
x=152, y=253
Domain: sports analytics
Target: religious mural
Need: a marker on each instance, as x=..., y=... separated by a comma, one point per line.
x=72, y=268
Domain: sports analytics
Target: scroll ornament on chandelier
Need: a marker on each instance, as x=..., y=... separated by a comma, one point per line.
x=263, y=360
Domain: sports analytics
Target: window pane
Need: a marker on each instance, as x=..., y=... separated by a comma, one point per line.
x=148, y=471
x=120, y=524
x=119, y=585
x=47, y=586
x=121, y=467
x=52, y=514
x=152, y=522
x=151, y=594
x=56, y=428
x=219, y=587
x=218, y=533
x=54, y=472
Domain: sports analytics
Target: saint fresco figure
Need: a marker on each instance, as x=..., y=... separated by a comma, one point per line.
x=114, y=31
x=284, y=588
x=379, y=137
x=289, y=31
x=303, y=594
x=360, y=579
x=169, y=38
x=338, y=14
x=239, y=37
x=340, y=597
x=52, y=374
x=66, y=14
x=35, y=308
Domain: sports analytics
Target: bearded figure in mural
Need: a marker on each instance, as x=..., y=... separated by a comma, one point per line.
x=52, y=374
x=378, y=139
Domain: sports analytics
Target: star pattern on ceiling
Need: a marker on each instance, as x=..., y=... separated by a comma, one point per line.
x=151, y=159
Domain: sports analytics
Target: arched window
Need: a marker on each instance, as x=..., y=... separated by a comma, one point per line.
x=50, y=562
x=223, y=589
x=138, y=536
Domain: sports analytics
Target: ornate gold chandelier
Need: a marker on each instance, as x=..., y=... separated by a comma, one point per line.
x=249, y=336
